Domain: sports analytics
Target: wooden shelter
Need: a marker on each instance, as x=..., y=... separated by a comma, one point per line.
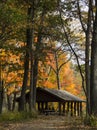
x=47, y=98
x=68, y=103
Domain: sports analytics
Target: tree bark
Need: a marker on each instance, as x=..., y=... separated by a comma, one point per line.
x=14, y=101
x=35, y=75
x=57, y=71
x=1, y=89
x=87, y=32
x=93, y=87
x=87, y=55
x=9, y=101
x=26, y=65
x=31, y=99
x=1, y=96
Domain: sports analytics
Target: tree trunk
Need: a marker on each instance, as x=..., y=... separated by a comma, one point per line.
x=57, y=71
x=87, y=56
x=35, y=75
x=1, y=89
x=87, y=32
x=25, y=79
x=14, y=101
x=9, y=101
x=1, y=96
x=31, y=14
x=26, y=66
x=93, y=88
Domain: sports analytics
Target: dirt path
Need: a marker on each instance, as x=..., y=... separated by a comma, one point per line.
x=48, y=123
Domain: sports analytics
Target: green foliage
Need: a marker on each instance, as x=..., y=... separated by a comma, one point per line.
x=82, y=68
x=17, y=116
x=90, y=121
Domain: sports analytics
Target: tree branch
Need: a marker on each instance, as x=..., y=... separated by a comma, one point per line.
x=80, y=16
x=67, y=38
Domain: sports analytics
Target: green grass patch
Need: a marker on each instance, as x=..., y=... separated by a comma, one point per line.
x=17, y=116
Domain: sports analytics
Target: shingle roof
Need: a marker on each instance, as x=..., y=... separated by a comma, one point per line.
x=61, y=94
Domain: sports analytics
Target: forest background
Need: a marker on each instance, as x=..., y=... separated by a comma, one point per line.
x=38, y=40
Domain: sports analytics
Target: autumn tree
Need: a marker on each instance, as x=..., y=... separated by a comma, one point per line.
x=46, y=23
x=28, y=55
x=48, y=72
x=59, y=63
x=10, y=25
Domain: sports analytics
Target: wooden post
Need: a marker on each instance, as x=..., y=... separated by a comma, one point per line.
x=42, y=104
x=78, y=112
x=75, y=108
x=71, y=108
x=64, y=104
x=59, y=108
x=46, y=105
x=67, y=107
x=38, y=106
x=80, y=108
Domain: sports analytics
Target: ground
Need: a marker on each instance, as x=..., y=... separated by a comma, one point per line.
x=43, y=122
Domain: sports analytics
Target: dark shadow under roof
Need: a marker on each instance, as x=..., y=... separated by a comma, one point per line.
x=62, y=95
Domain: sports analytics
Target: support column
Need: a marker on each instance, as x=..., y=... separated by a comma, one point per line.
x=80, y=108
x=64, y=109
x=78, y=112
x=67, y=107
x=71, y=108
x=42, y=106
x=75, y=108
x=59, y=108
x=46, y=105
x=38, y=106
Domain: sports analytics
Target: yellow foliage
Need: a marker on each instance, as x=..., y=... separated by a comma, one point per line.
x=66, y=75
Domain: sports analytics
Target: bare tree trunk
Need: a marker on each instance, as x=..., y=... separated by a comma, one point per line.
x=26, y=66
x=87, y=55
x=34, y=63
x=57, y=71
x=14, y=101
x=93, y=88
x=1, y=89
x=35, y=75
x=1, y=96
x=9, y=101
x=31, y=14
x=31, y=106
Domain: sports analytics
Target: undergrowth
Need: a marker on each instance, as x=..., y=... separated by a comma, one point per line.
x=91, y=121
x=17, y=116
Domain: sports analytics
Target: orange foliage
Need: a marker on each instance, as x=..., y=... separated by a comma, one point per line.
x=11, y=74
x=67, y=77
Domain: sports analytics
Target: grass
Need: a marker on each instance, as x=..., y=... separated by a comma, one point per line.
x=25, y=118
x=17, y=116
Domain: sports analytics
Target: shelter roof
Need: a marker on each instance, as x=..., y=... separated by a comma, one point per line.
x=46, y=94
